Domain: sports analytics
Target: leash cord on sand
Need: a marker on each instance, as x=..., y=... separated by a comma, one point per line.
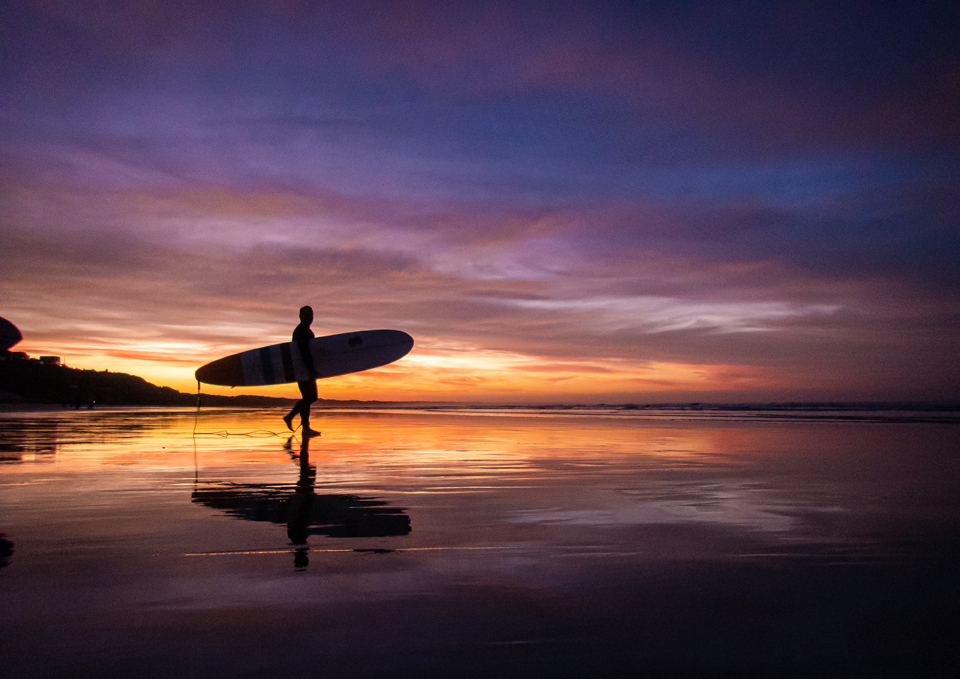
x=223, y=433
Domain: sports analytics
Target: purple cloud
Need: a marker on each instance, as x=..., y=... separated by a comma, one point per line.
x=772, y=189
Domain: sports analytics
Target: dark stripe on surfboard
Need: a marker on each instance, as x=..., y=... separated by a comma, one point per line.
x=267, y=365
x=287, y=362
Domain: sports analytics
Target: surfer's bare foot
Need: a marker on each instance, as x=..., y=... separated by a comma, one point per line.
x=288, y=420
x=308, y=432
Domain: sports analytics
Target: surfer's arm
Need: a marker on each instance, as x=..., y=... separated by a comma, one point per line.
x=307, y=356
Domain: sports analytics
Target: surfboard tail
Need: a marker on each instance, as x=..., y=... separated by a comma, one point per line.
x=224, y=372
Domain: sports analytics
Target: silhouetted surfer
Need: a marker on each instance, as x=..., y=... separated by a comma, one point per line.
x=308, y=388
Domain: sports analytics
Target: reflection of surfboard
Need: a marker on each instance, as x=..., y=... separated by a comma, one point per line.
x=333, y=355
x=9, y=334
x=335, y=516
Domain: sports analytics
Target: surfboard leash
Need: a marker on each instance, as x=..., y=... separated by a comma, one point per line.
x=223, y=433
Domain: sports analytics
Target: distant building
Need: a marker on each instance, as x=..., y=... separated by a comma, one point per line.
x=13, y=356
x=50, y=360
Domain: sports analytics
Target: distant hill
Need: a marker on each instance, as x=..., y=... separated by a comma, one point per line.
x=30, y=381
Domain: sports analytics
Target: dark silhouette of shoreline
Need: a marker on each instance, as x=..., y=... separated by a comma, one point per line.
x=25, y=381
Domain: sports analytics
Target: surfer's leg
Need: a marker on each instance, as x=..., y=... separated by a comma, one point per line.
x=301, y=407
x=288, y=418
x=308, y=390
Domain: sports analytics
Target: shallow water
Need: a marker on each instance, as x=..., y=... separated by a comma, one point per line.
x=159, y=542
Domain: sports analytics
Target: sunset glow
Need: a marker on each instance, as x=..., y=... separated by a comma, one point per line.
x=582, y=203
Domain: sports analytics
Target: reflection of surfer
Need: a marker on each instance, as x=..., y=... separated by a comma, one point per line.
x=308, y=388
x=302, y=511
x=299, y=507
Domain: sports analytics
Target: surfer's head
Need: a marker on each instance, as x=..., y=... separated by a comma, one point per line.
x=306, y=314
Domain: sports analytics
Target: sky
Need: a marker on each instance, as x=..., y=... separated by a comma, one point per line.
x=561, y=202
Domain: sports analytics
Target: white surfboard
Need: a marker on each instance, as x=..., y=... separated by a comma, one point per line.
x=333, y=355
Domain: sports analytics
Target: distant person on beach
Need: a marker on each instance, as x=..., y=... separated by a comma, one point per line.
x=308, y=388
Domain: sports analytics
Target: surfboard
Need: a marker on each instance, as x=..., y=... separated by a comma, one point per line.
x=333, y=355
x=9, y=334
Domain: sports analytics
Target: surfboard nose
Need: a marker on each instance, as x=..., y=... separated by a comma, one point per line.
x=404, y=338
x=401, y=341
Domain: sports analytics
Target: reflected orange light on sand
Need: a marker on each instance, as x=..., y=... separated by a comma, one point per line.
x=352, y=441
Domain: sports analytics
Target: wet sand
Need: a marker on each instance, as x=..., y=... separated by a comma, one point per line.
x=150, y=543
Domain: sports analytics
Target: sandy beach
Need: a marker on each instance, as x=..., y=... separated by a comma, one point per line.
x=407, y=543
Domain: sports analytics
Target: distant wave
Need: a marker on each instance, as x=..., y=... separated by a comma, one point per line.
x=946, y=413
